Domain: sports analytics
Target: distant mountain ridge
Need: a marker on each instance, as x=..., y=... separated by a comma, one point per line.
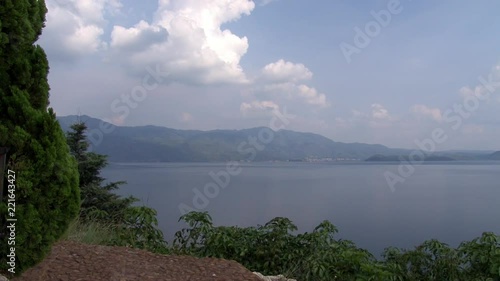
x=161, y=144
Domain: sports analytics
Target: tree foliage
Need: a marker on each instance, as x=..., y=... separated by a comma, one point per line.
x=272, y=249
x=47, y=195
x=135, y=226
x=98, y=200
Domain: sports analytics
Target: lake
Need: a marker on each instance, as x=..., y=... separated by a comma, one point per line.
x=448, y=201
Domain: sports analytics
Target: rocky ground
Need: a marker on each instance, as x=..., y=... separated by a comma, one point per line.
x=71, y=261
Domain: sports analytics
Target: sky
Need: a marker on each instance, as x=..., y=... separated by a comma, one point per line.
x=397, y=73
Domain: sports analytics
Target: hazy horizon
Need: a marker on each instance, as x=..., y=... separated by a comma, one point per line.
x=248, y=128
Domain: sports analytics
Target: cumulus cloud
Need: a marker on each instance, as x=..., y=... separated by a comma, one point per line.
x=422, y=110
x=312, y=96
x=258, y=107
x=285, y=71
x=379, y=112
x=74, y=28
x=282, y=79
x=137, y=38
x=380, y=117
x=186, y=39
x=284, y=89
x=292, y=91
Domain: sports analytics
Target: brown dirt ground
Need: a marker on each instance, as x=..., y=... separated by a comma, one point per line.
x=71, y=261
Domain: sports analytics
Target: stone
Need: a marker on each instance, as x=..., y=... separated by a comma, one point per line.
x=273, y=278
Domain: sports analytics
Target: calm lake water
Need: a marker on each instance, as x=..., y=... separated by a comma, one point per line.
x=451, y=202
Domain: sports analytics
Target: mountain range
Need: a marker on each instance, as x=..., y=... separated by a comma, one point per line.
x=161, y=144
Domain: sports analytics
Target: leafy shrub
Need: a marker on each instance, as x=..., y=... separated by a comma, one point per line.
x=272, y=249
x=481, y=257
x=140, y=230
x=478, y=259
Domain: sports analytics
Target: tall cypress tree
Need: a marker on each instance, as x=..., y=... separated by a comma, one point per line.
x=46, y=194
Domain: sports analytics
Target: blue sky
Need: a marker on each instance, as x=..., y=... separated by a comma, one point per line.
x=235, y=64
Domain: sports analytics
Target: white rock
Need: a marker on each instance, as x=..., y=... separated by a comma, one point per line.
x=273, y=278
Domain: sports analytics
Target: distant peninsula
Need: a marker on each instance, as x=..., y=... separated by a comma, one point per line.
x=441, y=156
x=398, y=158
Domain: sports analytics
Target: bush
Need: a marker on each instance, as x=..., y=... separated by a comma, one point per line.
x=272, y=249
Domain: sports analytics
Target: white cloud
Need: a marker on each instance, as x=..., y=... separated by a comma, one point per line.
x=92, y=10
x=380, y=117
x=74, y=28
x=257, y=107
x=280, y=79
x=312, y=96
x=284, y=71
x=138, y=37
x=422, y=110
x=286, y=88
x=196, y=49
x=292, y=91
x=379, y=112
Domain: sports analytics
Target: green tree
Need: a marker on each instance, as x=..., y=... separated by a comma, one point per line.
x=46, y=193
x=135, y=226
x=99, y=202
x=273, y=249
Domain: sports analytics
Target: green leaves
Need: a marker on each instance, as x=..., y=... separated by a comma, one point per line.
x=272, y=249
x=136, y=226
x=47, y=193
x=140, y=230
x=432, y=260
x=482, y=256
